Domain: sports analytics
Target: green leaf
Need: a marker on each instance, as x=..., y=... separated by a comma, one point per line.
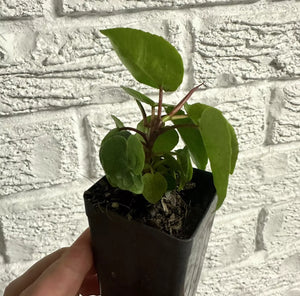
x=139, y=96
x=166, y=141
x=234, y=147
x=113, y=156
x=171, y=181
x=122, y=159
x=193, y=140
x=115, y=132
x=217, y=140
x=150, y=58
x=136, y=154
x=195, y=111
x=183, y=158
x=117, y=121
x=171, y=162
x=155, y=186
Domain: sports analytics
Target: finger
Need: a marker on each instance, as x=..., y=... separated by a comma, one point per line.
x=25, y=280
x=65, y=276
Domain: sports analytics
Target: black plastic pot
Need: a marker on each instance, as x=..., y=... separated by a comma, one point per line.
x=133, y=259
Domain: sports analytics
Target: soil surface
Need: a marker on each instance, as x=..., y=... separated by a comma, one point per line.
x=172, y=214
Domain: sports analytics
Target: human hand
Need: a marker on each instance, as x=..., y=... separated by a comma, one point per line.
x=66, y=272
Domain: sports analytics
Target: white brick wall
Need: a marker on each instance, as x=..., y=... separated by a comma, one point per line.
x=59, y=82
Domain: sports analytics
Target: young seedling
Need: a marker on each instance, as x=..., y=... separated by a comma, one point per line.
x=144, y=159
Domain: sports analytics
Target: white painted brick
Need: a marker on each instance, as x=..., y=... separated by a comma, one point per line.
x=15, y=46
x=263, y=177
x=24, y=94
x=232, y=239
x=37, y=151
x=238, y=237
x=280, y=226
x=263, y=275
x=232, y=49
x=284, y=118
x=37, y=223
x=66, y=52
x=105, y=7
x=20, y=8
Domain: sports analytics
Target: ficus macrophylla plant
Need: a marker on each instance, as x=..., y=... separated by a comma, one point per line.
x=144, y=159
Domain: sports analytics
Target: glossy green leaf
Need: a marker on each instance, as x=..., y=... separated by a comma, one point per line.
x=195, y=111
x=166, y=141
x=171, y=162
x=234, y=147
x=183, y=158
x=117, y=121
x=139, y=96
x=121, y=160
x=136, y=154
x=115, y=132
x=155, y=186
x=171, y=181
x=217, y=140
x=113, y=156
x=193, y=140
x=150, y=58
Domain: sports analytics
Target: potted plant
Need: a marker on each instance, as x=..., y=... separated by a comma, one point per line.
x=151, y=215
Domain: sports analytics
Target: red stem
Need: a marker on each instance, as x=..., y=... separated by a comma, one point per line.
x=134, y=130
x=184, y=100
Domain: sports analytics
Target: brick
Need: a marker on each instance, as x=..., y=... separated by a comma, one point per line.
x=27, y=94
x=284, y=121
x=263, y=177
x=232, y=240
x=105, y=7
x=276, y=275
x=248, y=47
x=37, y=223
x=37, y=151
x=20, y=9
x=71, y=52
x=240, y=236
x=280, y=226
x=15, y=46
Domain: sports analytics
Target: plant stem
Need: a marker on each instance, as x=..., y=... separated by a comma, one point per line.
x=135, y=130
x=167, y=117
x=184, y=100
x=160, y=103
x=143, y=113
x=177, y=126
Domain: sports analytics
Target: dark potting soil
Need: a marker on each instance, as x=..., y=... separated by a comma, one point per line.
x=173, y=215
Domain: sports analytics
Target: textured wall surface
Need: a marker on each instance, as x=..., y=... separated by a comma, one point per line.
x=59, y=82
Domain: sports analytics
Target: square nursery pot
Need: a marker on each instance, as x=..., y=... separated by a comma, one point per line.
x=133, y=259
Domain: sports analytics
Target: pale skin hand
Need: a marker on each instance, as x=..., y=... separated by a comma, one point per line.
x=66, y=272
